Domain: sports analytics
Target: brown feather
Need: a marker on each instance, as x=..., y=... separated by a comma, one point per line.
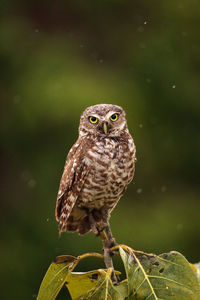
x=71, y=183
x=98, y=169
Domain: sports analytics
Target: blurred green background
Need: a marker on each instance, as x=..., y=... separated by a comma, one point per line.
x=57, y=58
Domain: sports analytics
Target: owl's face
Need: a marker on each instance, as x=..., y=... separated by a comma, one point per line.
x=104, y=120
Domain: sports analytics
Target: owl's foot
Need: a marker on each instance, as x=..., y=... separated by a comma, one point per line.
x=110, y=243
x=93, y=225
x=101, y=231
x=96, y=225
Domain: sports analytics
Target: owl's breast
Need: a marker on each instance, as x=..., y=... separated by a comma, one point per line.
x=110, y=169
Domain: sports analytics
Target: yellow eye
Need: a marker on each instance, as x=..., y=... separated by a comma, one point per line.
x=93, y=120
x=114, y=117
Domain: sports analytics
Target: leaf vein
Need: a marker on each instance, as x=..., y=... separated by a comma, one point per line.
x=168, y=279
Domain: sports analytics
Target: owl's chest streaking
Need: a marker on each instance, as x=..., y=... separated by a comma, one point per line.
x=110, y=165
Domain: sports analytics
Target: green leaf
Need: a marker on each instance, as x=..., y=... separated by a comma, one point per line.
x=197, y=267
x=80, y=283
x=167, y=276
x=122, y=290
x=54, y=279
x=59, y=273
x=103, y=288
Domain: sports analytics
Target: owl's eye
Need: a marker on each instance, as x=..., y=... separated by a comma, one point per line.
x=114, y=117
x=93, y=120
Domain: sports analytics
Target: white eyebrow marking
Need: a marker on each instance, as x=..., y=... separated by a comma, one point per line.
x=110, y=113
x=94, y=115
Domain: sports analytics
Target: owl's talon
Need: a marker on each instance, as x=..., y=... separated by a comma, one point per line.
x=113, y=253
x=110, y=243
x=101, y=229
x=95, y=230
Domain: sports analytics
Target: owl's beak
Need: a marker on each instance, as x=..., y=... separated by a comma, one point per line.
x=105, y=127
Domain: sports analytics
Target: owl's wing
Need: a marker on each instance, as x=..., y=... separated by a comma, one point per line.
x=71, y=183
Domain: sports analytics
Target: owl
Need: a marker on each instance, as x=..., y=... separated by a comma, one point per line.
x=98, y=169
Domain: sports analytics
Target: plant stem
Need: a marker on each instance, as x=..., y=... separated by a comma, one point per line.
x=107, y=256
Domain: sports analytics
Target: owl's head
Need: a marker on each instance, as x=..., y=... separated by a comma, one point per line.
x=104, y=120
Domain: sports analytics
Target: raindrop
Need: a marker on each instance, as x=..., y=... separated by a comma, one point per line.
x=184, y=33
x=47, y=219
x=141, y=125
x=145, y=22
x=36, y=30
x=139, y=191
x=101, y=61
x=142, y=45
x=17, y=99
x=163, y=188
x=31, y=183
x=173, y=86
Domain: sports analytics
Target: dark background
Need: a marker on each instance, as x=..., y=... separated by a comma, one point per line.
x=57, y=58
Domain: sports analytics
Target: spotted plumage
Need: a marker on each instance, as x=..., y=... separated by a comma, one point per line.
x=98, y=169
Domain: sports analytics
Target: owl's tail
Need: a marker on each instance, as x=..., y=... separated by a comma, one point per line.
x=78, y=221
